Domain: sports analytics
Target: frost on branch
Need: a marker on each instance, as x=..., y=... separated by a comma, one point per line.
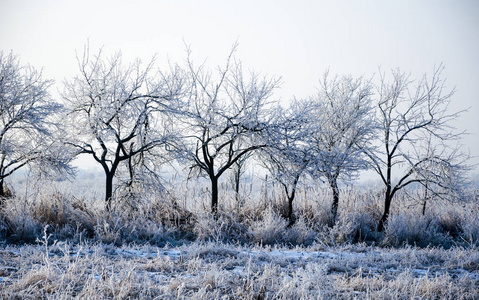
x=287, y=155
x=414, y=125
x=224, y=117
x=344, y=130
x=120, y=113
x=30, y=133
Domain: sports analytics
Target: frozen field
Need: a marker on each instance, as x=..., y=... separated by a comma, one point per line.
x=219, y=271
x=115, y=256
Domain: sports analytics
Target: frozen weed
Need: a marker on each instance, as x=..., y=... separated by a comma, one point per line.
x=270, y=229
x=21, y=224
x=301, y=233
x=216, y=271
x=351, y=228
x=219, y=227
x=180, y=213
x=469, y=226
x=413, y=229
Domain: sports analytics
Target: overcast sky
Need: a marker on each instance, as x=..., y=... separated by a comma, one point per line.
x=297, y=40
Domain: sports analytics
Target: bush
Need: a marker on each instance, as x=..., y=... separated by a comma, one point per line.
x=414, y=229
x=165, y=217
x=469, y=226
x=350, y=228
x=221, y=227
x=20, y=222
x=301, y=233
x=270, y=229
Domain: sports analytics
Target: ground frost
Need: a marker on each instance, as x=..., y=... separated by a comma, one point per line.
x=216, y=270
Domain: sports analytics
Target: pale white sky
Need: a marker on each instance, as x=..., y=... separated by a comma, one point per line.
x=297, y=40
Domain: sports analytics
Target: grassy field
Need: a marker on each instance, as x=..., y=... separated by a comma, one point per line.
x=224, y=271
x=58, y=242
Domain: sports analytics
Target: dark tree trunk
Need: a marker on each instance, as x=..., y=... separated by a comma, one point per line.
x=425, y=200
x=290, y=207
x=108, y=190
x=130, y=172
x=334, y=207
x=290, y=202
x=237, y=178
x=387, y=205
x=388, y=195
x=2, y=189
x=291, y=219
x=291, y=197
x=214, y=194
x=2, y=192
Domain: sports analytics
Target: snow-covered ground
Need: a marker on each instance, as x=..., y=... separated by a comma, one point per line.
x=213, y=270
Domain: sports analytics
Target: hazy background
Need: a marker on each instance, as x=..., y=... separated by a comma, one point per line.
x=295, y=40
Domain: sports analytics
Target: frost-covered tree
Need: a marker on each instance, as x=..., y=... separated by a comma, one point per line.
x=29, y=131
x=287, y=155
x=343, y=115
x=117, y=112
x=223, y=118
x=237, y=172
x=411, y=116
x=444, y=174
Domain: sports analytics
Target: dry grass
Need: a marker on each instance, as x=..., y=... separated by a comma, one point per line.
x=216, y=271
x=75, y=249
x=182, y=213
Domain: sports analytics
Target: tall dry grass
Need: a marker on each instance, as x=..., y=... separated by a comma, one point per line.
x=62, y=270
x=180, y=213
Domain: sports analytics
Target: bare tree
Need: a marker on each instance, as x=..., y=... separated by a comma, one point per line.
x=238, y=171
x=409, y=115
x=117, y=112
x=29, y=132
x=343, y=113
x=287, y=155
x=444, y=173
x=223, y=118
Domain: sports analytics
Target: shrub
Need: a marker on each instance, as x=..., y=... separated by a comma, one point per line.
x=221, y=227
x=469, y=226
x=350, y=228
x=177, y=215
x=301, y=233
x=270, y=229
x=20, y=222
x=414, y=229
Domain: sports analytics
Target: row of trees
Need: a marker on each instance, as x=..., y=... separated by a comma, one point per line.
x=133, y=118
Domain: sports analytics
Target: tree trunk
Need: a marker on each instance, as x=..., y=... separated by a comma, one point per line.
x=2, y=189
x=108, y=190
x=290, y=209
x=388, y=195
x=237, y=180
x=291, y=199
x=334, y=207
x=425, y=200
x=214, y=194
x=290, y=202
x=387, y=205
x=2, y=192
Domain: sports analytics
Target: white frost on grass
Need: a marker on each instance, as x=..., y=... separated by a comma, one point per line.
x=214, y=270
x=287, y=256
